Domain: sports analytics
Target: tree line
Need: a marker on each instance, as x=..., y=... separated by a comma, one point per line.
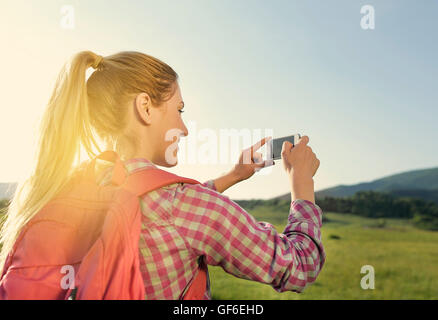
x=372, y=204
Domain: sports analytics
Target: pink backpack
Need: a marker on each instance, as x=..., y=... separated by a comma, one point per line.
x=84, y=243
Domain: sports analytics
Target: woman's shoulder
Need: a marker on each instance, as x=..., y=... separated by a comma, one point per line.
x=170, y=191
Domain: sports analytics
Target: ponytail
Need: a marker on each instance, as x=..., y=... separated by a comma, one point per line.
x=65, y=125
x=77, y=109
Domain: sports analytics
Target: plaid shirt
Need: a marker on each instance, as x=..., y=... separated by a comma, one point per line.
x=183, y=222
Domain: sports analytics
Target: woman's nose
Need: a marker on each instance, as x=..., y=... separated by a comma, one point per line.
x=185, y=130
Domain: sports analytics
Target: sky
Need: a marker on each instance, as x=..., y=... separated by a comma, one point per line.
x=367, y=98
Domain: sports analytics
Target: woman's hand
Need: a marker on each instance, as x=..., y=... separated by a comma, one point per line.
x=301, y=164
x=251, y=161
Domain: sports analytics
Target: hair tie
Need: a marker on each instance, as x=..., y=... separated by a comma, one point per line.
x=96, y=63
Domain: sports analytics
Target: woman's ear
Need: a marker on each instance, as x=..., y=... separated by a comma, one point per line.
x=143, y=108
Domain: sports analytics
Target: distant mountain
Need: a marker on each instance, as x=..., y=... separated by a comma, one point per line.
x=7, y=190
x=422, y=183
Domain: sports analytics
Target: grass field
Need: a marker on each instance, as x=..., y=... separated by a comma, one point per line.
x=405, y=261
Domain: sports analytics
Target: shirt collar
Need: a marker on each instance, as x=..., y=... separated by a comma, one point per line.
x=136, y=163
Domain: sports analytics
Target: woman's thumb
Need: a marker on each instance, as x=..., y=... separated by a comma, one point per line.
x=303, y=140
x=264, y=164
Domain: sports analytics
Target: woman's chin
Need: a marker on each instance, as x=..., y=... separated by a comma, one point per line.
x=171, y=163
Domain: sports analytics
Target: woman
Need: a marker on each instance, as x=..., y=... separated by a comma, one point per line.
x=132, y=101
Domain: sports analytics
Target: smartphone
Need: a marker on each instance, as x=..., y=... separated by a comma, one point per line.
x=275, y=145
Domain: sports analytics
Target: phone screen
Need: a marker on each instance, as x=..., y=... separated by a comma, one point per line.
x=275, y=145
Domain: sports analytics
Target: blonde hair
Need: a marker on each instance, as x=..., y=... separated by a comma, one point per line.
x=78, y=110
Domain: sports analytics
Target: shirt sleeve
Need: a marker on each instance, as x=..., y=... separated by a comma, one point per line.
x=217, y=227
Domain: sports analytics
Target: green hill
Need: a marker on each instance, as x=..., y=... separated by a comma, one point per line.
x=422, y=183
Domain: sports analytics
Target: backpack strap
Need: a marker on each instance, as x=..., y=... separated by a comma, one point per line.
x=150, y=179
x=142, y=182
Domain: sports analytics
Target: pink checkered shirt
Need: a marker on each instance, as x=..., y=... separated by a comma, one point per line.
x=182, y=223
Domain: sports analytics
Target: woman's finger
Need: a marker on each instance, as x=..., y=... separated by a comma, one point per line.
x=317, y=166
x=259, y=144
x=304, y=140
x=257, y=157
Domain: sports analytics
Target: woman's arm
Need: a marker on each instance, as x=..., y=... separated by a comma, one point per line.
x=215, y=226
x=224, y=182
